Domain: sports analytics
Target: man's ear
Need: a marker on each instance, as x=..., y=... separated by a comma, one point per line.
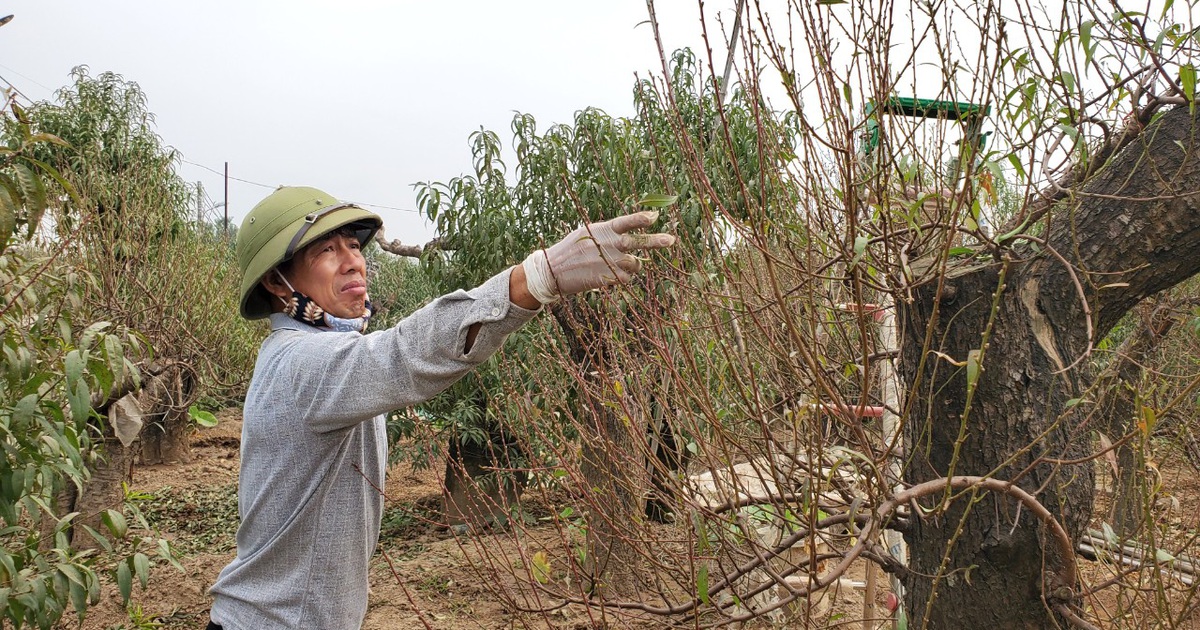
x=274, y=285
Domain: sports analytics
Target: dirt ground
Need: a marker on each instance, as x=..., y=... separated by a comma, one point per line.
x=423, y=576
x=195, y=506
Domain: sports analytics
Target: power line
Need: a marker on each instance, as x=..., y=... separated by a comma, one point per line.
x=31, y=79
x=205, y=167
x=16, y=90
x=246, y=181
x=213, y=170
x=376, y=205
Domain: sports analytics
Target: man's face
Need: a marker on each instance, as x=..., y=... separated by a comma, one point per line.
x=332, y=271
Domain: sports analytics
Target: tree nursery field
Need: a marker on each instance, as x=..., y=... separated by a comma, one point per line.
x=925, y=354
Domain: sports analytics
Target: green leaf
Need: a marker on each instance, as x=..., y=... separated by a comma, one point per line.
x=49, y=137
x=1016, y=162
x=80, y=399
x=141, y=565
x=56, y=176
x=89, y=335
x=115, y=522
x=1085, y=39
x=79, y=599
x=973, y=368
x=25, y=409
x=1163, y=556
x=93, y=587
x=165, y=552
x=1013, y=233
x=115, y=355
x=71, y=572
x=35, y=196
x=202, y=417
x=1110, y=536
x=860, y=245
x=101, y=540
x=702, y=583
x=124, y=581
x=657, y=200
x=73, y=366
x=1187, y=80
x=8, y=218
x=1147, y=421
x=1068, y=80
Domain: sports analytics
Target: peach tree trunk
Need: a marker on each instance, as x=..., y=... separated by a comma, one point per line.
x=1131, y=231
x=166, y=439
x=612, y=447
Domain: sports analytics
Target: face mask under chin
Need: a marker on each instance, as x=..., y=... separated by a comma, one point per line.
x=303, y=309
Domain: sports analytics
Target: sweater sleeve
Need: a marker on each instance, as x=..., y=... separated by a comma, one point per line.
x=340, y=379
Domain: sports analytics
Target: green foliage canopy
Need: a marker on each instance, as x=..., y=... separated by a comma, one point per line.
x=157, y=273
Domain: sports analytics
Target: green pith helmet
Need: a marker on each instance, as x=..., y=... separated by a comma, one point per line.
x=281, y=225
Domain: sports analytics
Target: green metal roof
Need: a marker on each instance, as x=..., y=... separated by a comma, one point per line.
x=972, y=114
x=932, y=108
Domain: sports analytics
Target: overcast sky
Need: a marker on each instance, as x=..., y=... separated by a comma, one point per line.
x=360, y=98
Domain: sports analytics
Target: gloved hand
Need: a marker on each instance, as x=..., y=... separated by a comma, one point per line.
x=592, y=256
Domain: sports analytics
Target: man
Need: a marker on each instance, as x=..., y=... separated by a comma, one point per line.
x=314, y=447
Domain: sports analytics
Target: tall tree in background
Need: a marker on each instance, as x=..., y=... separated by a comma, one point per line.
x=138, y=237
x=128, y=228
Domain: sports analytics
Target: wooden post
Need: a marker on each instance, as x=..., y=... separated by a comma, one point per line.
x=227, y=201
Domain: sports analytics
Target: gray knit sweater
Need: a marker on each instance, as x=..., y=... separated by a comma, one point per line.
x=314, y=451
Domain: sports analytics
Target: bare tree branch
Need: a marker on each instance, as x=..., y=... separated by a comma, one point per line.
x=394, y=246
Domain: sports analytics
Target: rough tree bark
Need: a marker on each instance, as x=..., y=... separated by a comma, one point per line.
x=165, y=399
x=1131, y=231
x=613, y=457
x=157, y=410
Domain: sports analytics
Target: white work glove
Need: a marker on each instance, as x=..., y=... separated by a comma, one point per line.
x=593, y=256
